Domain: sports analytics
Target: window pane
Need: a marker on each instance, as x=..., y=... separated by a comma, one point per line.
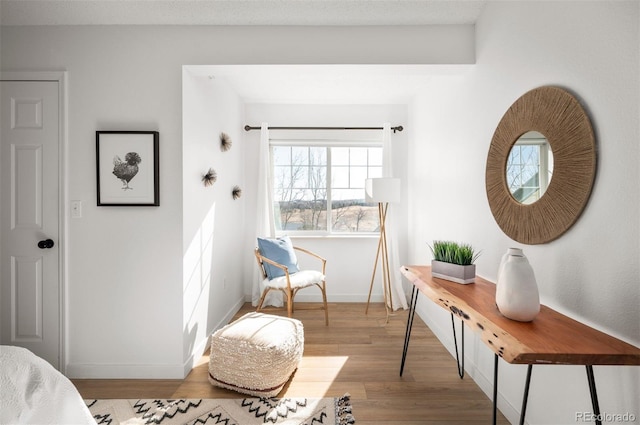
x=314, y=219
x=281, y=175
x=340, y=177
x=281, y=155
x=358, y=176
x=318, y=156
x=318, y=177
x=351, y=195
x=303, y=212
x=300, y=176
x=351, y=214
x=358, y=156
x=375, y=156
x=514, y=155
x=532, y=153
x=340, y=156
x=299, y=155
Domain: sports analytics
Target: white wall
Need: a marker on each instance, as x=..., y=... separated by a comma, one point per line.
x=592, y=272
x=349, y=259
x=126, y=267
x=213, y=222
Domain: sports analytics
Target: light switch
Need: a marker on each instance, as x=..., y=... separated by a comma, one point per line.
x=76, y=209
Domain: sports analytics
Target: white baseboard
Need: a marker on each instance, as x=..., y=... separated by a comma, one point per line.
x=331, y=298
x=124, y=371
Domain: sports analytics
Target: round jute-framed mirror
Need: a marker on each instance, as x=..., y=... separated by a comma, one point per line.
x=558, y=115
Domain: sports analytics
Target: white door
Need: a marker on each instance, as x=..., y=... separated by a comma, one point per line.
x=29, y=222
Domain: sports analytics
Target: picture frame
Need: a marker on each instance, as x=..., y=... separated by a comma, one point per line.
x=127, y=167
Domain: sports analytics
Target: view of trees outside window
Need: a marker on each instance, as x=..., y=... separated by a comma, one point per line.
x=321, y=188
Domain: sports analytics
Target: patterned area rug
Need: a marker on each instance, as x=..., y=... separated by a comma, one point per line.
x=245, y=411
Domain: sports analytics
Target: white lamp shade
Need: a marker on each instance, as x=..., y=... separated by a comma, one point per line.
x=386, y=189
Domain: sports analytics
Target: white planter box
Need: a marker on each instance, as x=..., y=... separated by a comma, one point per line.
x=453, y=272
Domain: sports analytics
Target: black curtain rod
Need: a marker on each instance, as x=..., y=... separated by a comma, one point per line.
x=249, y=128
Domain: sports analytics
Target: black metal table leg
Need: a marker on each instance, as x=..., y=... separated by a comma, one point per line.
x=525, y=397
x=455, y=343
x=594, y=394
x=495, y=389
x=407, y=333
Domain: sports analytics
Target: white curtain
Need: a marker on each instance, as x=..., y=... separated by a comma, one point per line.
x=398, y=297
x=265, y=227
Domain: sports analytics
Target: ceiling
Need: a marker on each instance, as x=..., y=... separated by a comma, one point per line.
x=326, y=84
x=365, y=84
x=239, y=12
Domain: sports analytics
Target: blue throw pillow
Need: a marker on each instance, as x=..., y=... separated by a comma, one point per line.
x=281, y=251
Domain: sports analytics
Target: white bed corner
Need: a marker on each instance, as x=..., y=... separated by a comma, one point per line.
x=34, y=392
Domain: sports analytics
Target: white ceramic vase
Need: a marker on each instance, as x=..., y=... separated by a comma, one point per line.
x=517, y=294
x=505, y=257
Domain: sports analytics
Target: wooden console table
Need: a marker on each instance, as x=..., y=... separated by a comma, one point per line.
x=551, y=338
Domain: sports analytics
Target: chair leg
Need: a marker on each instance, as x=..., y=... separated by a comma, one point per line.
x=264, y=295
x=323, y=288
x=289, y=303
x=294, y=292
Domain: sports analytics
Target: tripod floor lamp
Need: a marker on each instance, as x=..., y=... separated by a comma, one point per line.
x=383, y=191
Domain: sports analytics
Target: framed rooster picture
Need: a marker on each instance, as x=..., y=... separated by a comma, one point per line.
x=127, y=168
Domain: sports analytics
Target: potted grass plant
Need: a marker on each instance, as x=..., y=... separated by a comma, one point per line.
x=453, y=261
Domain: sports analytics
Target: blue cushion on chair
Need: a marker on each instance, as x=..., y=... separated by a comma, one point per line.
x=281, y=251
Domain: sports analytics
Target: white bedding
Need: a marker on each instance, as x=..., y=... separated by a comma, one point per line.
x=33, y=392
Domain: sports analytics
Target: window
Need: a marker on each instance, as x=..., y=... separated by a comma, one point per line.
x=529, y=169
x=319, y=188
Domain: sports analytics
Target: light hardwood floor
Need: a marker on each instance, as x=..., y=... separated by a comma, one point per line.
x=357, y=354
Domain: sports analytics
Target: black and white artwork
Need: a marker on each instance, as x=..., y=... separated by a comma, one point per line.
x=127, y=168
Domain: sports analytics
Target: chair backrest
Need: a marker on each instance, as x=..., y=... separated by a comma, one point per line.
x=260, y=263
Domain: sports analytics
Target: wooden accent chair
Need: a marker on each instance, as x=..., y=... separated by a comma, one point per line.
x=291, y=283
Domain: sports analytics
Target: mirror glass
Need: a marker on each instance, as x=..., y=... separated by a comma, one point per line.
x=529, y=167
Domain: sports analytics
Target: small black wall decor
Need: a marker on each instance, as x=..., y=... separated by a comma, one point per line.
x=225, y=142
x=236, y=192
x=210, y=177
x=127, y=168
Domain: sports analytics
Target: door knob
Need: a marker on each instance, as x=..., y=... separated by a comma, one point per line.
x=45, y=244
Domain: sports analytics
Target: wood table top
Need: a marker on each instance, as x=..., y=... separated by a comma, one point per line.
x=551, y=338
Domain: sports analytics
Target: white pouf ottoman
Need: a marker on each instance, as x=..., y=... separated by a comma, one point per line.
x=256, y=354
